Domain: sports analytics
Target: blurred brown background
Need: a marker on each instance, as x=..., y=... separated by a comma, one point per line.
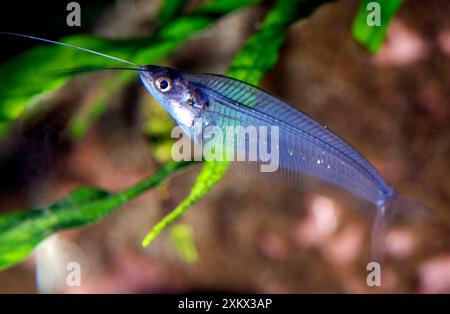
x=252, y=236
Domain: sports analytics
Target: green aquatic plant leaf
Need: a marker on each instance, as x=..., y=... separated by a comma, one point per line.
x=28, y=77
x=21, y=231
x=372, y=21
x=258, y=56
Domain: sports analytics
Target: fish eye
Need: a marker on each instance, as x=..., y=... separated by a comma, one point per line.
x=164, y=84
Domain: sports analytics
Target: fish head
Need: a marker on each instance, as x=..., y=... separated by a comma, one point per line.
x=179, y=97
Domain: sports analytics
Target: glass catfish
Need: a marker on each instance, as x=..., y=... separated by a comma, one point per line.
x=310, y=155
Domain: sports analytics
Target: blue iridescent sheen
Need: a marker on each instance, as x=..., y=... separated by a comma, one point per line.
x=311, y=155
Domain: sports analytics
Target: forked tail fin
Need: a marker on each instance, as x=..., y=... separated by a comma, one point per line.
x=386, y=212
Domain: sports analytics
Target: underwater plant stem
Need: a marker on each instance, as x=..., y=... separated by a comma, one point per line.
x=163, y=223
x=153, y=180
x=209, y=175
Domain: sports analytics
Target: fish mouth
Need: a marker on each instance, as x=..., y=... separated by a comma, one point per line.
x=150, y=71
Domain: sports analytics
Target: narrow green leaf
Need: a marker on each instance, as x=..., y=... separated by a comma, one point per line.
x=372, y=21
x=259, y=55
x=21, y=231
x=210, y=174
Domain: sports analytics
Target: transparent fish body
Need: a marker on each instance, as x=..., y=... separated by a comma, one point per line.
x=307, y=150
x=310, y=155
